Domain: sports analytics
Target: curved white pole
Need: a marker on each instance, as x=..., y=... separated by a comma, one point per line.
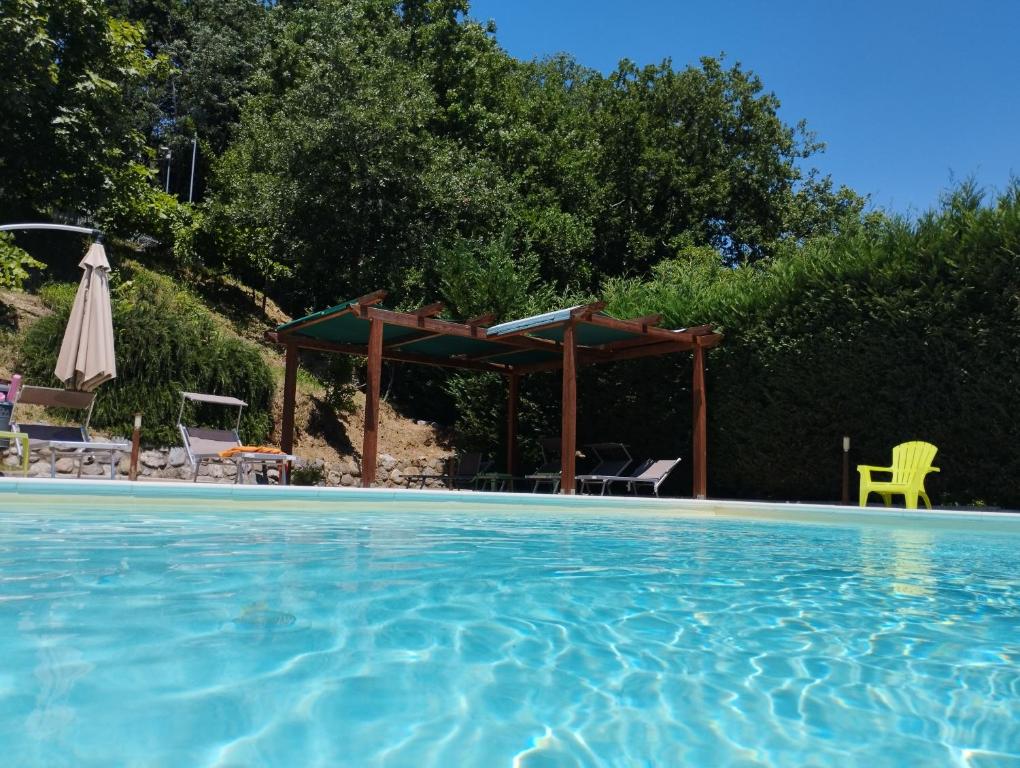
x=58, y=227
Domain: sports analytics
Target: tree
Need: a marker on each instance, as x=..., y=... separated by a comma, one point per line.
x=71, y=80
x=700, y=156
x=337, y=173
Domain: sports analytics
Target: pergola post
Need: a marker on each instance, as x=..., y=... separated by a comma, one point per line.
x=370, y=444
x=289, y=398
x=699, y=452
x=512, y=402
x=568, y=430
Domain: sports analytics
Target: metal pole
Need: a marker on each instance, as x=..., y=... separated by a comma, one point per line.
x=136, y=440
x=194, y=151
x=846, y=471
x=56, y=227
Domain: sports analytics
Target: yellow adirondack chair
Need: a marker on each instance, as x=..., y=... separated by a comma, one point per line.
x=911, y=463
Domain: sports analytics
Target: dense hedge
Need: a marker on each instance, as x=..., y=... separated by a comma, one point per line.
x=893, y=331
x=166, y=341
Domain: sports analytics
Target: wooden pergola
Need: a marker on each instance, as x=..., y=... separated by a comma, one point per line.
x=560, y=340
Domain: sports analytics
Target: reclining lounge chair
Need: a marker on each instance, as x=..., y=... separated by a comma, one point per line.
x=466, y=469
x=548, y=473
x=71, y=442
x=652, y=475
x=202, y=444
x=613, y=460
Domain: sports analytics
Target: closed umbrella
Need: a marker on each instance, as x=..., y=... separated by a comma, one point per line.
x=86, y=355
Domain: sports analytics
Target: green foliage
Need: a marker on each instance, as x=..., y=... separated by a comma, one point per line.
x=14, y=264
x=309, y=474
x=378, y=134
x=71, y=84
x=213, y=49
x=476, y=278
x=888, y=332
x=166, y=342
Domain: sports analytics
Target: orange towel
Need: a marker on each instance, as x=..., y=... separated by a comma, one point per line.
x=251, y=449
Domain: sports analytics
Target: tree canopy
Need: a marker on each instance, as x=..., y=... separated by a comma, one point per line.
x=350, y=145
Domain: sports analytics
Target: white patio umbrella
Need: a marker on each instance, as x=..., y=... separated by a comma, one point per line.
x=86, y=355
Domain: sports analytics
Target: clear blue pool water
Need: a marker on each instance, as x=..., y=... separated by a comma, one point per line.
x=434, y=638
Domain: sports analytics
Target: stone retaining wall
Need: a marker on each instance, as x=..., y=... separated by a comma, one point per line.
x=172, y=464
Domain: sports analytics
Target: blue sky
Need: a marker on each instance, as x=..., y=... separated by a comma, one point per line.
x=907, y=94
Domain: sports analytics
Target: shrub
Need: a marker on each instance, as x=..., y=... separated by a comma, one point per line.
x=14, y=263
x=889, y=332
x=166, y=342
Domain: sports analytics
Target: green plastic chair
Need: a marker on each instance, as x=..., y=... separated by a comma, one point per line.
x=911, y=463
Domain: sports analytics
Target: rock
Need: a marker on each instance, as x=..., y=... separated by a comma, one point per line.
x=347, y=479
x=39, y=469
x=177, y=457
x=65, y=465
x=386, y=461
x=212, y=470
x=153, y=459
x=333, y=477
x=95, y=468
x=12, y=461
x=397, y=477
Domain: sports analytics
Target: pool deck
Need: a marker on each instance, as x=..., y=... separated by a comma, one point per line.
x=155, y=495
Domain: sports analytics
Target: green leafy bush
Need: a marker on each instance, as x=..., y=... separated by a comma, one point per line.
x=14, y=264
x=889, y=332
x=166, y=342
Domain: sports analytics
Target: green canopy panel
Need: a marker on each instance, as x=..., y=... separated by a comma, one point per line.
x=420, y=337
x=588, y=335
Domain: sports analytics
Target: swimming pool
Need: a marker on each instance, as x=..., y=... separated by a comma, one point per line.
x=432, y=633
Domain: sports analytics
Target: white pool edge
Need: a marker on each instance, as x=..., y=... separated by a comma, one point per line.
x=68, y=490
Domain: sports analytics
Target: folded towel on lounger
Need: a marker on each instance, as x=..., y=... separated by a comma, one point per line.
x=251, y=449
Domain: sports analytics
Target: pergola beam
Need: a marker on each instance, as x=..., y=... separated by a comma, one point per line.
x=370, y=443
x=430, y=310
x=289, y=399
x=568, y=427
x=699, y=426
x=387, y=354
x=512, y=405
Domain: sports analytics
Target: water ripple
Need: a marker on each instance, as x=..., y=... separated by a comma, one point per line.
x=454, y=639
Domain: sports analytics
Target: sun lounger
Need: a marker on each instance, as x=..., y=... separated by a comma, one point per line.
x=653, y=475
x=71, y=442
x=548, y=473
x=603, y=483
x=203, y=445
x=612, y=460
x=467, y=468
